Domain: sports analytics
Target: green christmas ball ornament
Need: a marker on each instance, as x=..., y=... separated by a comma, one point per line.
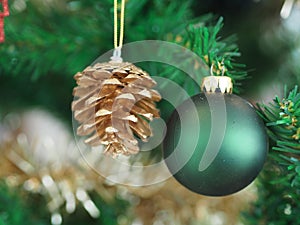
x=215, y=142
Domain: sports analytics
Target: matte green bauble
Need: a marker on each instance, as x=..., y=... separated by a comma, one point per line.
x=215, y=144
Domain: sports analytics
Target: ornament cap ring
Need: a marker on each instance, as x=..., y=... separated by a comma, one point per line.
x=214, y=84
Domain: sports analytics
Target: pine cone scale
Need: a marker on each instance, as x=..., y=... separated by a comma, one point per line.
x=101, y=74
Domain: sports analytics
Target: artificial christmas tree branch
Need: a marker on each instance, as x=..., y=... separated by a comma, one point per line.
x=282, y=118
x=278, y=201
x=203, y=38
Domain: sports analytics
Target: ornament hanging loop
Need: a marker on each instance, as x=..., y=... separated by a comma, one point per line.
x=212, y=69
x=117, y=55
x=223, y=69
x=219, y=68
x=118, y=46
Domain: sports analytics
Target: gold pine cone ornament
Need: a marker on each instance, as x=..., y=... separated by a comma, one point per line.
x=114, y=103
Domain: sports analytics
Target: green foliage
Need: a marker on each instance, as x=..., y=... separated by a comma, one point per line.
x=18, y=207
x=67, y=37
x=279, y=193
x=109, y=213
x=47, y=43
x=218, y=55
x=283, y=116
x=278, y=202
x=13, y=210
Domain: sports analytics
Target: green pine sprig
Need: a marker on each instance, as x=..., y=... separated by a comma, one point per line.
x=218, y=54
x=282, y=119
x=63, y=37
x=47, y=43
x=279, y=183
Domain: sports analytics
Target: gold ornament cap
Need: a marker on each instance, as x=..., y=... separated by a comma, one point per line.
x=215, y=84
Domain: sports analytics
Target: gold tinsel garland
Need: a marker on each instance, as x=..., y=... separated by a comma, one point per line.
x=39, y=165
x=67, y=182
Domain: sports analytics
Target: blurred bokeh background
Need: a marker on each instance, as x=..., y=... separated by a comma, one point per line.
x=43, y=178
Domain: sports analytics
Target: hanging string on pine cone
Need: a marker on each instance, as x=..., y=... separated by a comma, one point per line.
x=3, y=14
x=115, y=100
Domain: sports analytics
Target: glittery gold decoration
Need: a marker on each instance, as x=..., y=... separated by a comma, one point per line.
x=40, y=162
x=66, y=181
x=114, y=102
x=174, y=204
